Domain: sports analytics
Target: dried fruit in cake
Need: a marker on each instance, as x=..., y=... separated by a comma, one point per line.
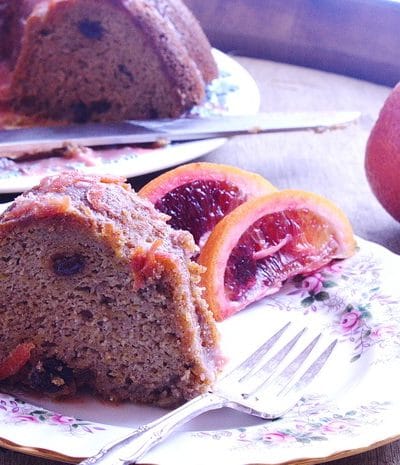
x=198, y=195
x=265, y=241
x=97, y=291
x=16, y=360
x=104, y=60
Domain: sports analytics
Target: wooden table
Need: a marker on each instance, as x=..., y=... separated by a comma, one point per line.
x=330, y=164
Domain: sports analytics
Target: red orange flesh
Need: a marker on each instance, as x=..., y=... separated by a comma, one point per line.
x=266, y=240
x=197, y=196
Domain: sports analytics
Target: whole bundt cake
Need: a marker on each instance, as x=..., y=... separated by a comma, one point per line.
x=103, y=60
x=98, y=292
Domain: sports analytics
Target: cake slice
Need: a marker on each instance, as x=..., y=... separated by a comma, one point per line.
x=98, y=292
x=104, y=60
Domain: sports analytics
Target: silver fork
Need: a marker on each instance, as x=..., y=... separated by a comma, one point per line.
x=253, y=387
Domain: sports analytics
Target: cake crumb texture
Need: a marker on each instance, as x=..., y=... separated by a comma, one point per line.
x=104, y=294
x=104, y=60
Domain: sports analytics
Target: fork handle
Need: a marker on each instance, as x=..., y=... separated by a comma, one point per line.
x=131, y=448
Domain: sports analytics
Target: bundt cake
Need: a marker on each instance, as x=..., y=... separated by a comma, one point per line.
x=97, y=292
x=103, y=60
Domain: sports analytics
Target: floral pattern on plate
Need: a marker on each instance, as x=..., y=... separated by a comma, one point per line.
x=351, y=307
x=311, y=420
x=355, y=301
x=13, y=410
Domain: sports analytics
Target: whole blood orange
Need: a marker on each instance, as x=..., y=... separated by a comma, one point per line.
x=265, y=241
x=382, y=158
x=197, y=195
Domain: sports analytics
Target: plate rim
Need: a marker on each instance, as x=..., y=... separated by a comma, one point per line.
x=52, y=455
x=371, y=444
x=196, y=149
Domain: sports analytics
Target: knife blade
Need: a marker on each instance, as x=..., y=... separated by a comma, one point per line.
x=14, y=142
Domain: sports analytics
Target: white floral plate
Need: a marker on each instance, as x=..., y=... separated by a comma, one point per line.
x=353, y=406
x=234, y=92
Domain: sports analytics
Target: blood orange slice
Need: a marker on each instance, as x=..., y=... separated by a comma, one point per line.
x=265, y=241
x=197, y=195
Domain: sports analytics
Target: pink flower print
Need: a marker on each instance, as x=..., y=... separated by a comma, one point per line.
x=335, y=426
x=350, y=321
x=14, y=406
x=381, y=332
x=27, y=418
x=313, y=283
x=276, y=436
x=59, y=419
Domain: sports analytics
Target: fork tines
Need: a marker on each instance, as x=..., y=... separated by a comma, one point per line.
x=258, y=373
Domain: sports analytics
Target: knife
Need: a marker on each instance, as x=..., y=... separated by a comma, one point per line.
x=16, y=142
